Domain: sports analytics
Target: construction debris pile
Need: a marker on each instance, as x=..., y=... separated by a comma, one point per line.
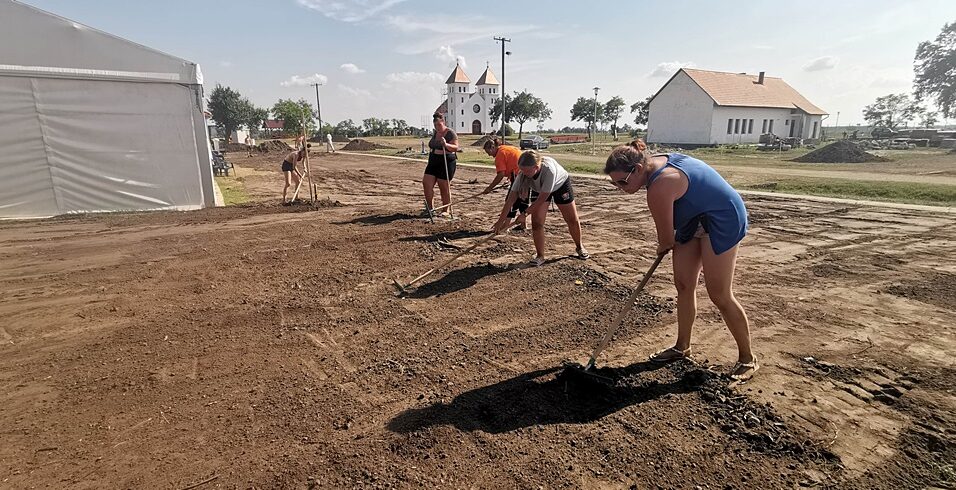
x=901, y=144
x=481, y=141
x=365, y=145
x=843, y=151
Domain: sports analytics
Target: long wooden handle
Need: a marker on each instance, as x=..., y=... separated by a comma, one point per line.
x=443, y=206
x=627, y=307
x=456, y=257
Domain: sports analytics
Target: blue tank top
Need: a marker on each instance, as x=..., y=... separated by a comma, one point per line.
x=709, y=202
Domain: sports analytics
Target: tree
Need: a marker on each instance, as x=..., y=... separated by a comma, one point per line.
x=526, y=107
x=254, y=118
x=584, y=110
x=346, y=128
x=229, y=109
x=613, y=109
x=495, y=110
x=642, y=108
x=935, y=67
x=292, y=114
x=928, y=119
x=890, y=111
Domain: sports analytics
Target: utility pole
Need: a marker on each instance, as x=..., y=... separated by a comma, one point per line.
x=318, y=106
x=594, y=124
x=504, y=102
x=837, y=120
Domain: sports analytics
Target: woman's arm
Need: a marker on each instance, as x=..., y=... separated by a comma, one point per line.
x=498, y=178
x=503, y=220
x=452, y=145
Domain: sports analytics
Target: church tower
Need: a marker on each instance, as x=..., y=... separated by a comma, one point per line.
x=459, y=88
x=488, y=89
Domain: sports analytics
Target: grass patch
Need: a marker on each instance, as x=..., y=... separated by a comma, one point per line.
x=904, y=192
x=233, y=190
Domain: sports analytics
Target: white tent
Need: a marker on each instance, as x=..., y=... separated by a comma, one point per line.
x=91, y=122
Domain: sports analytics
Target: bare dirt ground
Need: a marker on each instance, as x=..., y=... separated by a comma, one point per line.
x=262, y=346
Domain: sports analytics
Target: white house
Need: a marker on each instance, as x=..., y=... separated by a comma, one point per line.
x=701, y=107
x=466, y=111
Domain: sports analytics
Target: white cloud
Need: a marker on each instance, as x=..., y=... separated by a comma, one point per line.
x=351, y=68
x=447, y=54
x=668, y=68
x=349, y=10
x=225, y=64
x=355, y=92
x=412, y=78
x=821, y=63
x=297, y=81
x=424, y=32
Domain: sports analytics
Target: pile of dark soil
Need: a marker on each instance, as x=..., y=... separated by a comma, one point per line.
x=481, y=141
x=843, y=151
x=235, y=147
x=274, y=145
x=364, y=145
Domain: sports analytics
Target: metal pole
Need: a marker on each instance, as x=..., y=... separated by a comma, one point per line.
x=504, y=102
x=318, y=106
x=594, y=124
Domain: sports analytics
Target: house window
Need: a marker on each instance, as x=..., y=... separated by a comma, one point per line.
x=750, y=127
x=814, y=134
x=786, y=122
x=771, y=126
x=736, y=126
x=763, y=130
x=730, y=126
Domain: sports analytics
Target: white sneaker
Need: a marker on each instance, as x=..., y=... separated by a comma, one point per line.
x=536, y=262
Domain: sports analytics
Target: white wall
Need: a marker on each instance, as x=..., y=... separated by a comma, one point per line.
x=718, y=134
x=680, y=114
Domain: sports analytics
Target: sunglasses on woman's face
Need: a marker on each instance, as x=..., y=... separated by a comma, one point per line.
x=623, y=182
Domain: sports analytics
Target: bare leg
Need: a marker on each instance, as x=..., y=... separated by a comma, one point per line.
x=537, y=230
x=719, y=278
x=428, y=184
x=445, y=191
x=570, y=214
x=687, y=266
x=288, y=182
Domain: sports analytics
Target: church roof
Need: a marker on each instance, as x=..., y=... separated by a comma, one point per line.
x=487, y=78
x=458, y=76
x=443, y=108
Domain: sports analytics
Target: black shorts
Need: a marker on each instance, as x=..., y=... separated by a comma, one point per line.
x=436, y=166
x=287, y=166
x=520, y=206
x=562, y=195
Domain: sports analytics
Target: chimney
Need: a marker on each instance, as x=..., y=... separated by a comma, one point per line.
x=760, y=78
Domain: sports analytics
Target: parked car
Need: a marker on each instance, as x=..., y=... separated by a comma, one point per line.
x=533, y=142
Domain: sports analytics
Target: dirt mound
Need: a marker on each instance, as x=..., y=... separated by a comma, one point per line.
x=481, y=141
x=235, y=147
x=842, y=151
x=274, y=145
x=365, y=145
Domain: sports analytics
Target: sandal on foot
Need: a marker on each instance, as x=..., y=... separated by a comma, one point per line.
x=670, y=354
x=536, y=262
x=582, y=254
x=743, y=371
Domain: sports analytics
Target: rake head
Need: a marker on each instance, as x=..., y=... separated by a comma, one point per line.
x=398, y=286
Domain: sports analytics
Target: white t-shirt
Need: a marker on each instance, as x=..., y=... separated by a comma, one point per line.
x=551, y=177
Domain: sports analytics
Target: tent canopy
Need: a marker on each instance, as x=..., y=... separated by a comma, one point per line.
x=91, y=122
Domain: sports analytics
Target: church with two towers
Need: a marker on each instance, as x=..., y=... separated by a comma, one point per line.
x=466, y=110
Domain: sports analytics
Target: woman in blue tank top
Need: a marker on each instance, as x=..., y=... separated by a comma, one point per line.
x=702, y=219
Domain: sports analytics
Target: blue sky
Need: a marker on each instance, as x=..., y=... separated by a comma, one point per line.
x=389, y=58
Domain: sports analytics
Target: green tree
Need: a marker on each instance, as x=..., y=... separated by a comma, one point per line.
x=935, y=67
x=642, y=108
x=890, y=111
x=229, y=109
x=495, y=110
x=346, y=128
x=526, y=107
x=292, y=113
x=584, y=110
x=928, y=119
x=254, y=118
x=613, y=109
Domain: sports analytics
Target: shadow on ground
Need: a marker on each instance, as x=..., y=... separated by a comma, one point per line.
x=456, y=280
x=543, y=397
x=378, y=219
x=447, y=235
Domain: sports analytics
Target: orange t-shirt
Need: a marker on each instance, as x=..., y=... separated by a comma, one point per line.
x=506, y=160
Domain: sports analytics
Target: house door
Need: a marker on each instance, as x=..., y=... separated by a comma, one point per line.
x=476, y=127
